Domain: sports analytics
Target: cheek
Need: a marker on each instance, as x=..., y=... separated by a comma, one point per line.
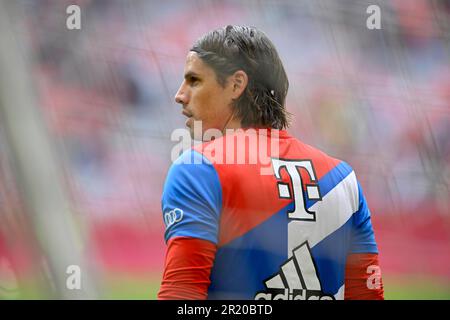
x=203, y=105
x=216, y=111
x=219, y=103
x=210, y=107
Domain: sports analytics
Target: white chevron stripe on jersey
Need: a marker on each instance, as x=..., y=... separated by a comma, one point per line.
x=331, y=213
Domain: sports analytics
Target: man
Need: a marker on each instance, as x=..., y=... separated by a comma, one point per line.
x=301, y=230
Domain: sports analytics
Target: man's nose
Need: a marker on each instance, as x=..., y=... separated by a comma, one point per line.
x=180, y=96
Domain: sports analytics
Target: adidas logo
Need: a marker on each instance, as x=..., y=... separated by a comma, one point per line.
x=297, y=279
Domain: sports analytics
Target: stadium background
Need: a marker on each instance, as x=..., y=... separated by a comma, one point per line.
x=379, y=99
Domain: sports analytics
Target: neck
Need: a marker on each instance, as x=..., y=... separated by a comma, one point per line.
x=231, y=123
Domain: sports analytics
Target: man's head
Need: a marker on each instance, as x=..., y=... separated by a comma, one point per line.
x=234, y=78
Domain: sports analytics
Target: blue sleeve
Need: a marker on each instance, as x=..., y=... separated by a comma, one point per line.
x=363, y=238
x=192, y=198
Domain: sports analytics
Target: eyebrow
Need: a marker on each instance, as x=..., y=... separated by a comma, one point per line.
x=191, y=74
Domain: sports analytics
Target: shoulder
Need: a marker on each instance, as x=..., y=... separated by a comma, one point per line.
x=190, y=163
x=327, y=166
x=191, y=173
x=335, y=176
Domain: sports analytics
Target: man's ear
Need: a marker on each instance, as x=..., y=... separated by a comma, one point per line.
x=238, y=82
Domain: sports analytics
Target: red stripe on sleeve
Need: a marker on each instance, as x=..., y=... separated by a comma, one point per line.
x=363, y=278
x=187, y=269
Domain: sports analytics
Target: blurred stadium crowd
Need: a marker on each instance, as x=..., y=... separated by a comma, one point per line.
x=378, y=99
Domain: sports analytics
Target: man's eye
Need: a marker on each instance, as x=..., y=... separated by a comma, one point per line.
x=193, y=80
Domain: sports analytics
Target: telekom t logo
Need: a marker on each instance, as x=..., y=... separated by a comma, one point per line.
x=292, y=168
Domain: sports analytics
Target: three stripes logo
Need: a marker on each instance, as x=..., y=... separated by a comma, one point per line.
x=297, y=279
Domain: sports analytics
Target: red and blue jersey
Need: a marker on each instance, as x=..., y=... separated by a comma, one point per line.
x=279, y=226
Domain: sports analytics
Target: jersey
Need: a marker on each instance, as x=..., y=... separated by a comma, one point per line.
x=283, y=221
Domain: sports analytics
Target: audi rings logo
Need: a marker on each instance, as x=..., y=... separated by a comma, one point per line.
x=173, y=217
